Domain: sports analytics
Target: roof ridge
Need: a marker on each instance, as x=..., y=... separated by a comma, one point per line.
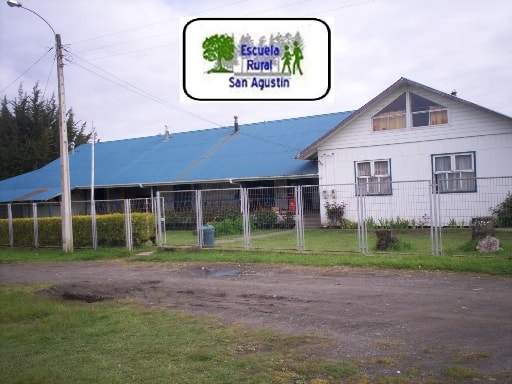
x=298, y=118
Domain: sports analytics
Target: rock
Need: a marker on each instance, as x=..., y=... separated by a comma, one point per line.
x=488, y=244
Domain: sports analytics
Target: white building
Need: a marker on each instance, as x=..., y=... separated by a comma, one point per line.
x=394, y=147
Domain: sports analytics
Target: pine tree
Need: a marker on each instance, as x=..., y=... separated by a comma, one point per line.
x=29, y=132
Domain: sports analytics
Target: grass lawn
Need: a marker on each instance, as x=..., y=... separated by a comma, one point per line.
x=323, y=248
x=52, y=341
x=455, y=241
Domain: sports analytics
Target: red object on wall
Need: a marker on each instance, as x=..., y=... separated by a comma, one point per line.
x=292, y=205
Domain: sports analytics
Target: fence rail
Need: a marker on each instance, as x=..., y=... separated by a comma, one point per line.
x=325, y=218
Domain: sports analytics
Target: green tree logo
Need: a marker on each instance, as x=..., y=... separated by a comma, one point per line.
x=218, y=48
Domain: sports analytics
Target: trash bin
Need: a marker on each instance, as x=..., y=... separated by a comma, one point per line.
x=208, y=236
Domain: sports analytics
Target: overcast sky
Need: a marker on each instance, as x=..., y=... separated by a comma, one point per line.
x=123, y=57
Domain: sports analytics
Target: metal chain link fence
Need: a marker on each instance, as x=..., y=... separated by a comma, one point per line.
x=409, y=217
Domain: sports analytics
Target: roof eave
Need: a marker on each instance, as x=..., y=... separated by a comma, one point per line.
x=203, y=181
x=311, y=150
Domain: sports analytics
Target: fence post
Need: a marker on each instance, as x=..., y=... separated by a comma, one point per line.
x=299, y=218
x=199, y=219
x=9, y=223
x=435, y=221
x=244, y=208
x=128, y=225
x=160, y=218
x=94, y=225
x=362, y=228
x=36, y=228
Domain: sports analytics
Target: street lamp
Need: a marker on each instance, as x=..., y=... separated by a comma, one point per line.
x=67, y=227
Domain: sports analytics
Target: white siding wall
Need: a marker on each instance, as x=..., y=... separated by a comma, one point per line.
x=410, y=150
x=412, y=161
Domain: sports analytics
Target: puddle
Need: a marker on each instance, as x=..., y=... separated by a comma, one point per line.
x=226, y=272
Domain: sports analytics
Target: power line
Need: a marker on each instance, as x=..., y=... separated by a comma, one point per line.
x=342, y=7
x=124, y=42
x=131, y=52
x=133, y=88
x=26, y=70
x=105, y=75
x=49, y=74
x=204, y=11
x=86, y=65
x=280, y=7
x=157, y=23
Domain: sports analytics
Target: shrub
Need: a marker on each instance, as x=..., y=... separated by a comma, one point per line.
x=143, y=228
x=503, y=212
x=335, y=212
x=180, y=220
x=218, y=214
x=286, y=220
x=110, y=228
x=4, y=231
x=348, y=224
x=23, y=230
x=228, y=227
x=397, y=223
x=264, y=219
x=50, y=233
x=370, y=223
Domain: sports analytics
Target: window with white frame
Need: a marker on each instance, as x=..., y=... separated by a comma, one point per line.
x=373, y=177
x=410, y=110
x=392, y=116
x=426, y=112
x=454, y=172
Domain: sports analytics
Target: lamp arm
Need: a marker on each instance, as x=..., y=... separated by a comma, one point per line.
x=41, y=17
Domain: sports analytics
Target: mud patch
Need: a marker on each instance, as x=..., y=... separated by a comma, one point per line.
x=89, y=292
x=186, y=292
x=272, y=297
x=88, y=298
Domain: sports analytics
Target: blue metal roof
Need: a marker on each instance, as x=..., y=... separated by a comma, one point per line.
x=256, y=151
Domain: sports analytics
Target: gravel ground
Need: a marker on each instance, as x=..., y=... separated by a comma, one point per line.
x=413, y=321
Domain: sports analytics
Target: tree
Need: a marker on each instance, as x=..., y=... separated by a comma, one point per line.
x=217, y=48
x=29, y=132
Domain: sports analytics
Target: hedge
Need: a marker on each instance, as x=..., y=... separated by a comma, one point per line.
x=110, y=229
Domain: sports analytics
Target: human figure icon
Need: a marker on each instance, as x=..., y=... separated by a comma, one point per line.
x=297, y=57
x=287, y=58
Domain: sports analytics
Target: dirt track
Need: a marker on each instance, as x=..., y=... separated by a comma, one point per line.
x=420, y=320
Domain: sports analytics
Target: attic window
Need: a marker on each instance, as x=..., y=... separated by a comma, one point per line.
x=426, y=112
x=391, y=117
x=408, y=110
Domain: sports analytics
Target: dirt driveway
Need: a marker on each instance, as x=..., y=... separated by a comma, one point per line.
x=424, y=321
